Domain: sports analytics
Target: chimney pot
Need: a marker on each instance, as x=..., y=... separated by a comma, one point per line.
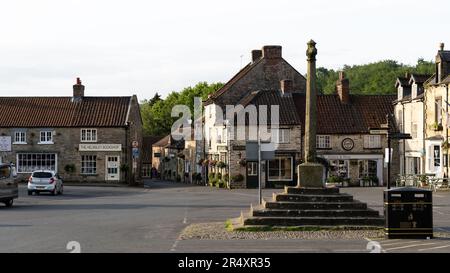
x=78, y=90
x=272, y=52
x=287, y=86
x=343, y=88
x=256, y=55
x=441, y=46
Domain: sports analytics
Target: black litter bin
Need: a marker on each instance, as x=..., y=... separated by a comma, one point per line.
x=408, y=213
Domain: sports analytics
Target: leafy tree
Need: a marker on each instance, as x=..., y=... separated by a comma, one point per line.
x=156, y=112
x=372, y=78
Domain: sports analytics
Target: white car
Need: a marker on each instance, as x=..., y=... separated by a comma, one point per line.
x=45, y=181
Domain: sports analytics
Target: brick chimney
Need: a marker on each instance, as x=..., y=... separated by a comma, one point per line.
x=272, y=52
x=343, y=88
x=78, y=90
x=287, y=86
x=256, y=55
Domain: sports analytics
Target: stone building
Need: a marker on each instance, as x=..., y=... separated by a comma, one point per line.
x=83, y=138
x=437, y=121
x=343, y=137
x=267, y=80
x=166, y=158
x=147, y=143
x=410, y=115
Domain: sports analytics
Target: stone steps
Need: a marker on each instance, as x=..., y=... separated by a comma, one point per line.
x=315, y=205
x=312, y=198
x=314, y=221
x=312, y=207
x=314, y=213
x=311, y=191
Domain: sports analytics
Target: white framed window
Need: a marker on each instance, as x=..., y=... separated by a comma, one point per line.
x=252, y=168
x=281, y=135
x=88, y=164
x=323, y=142
x=30, y=162
x=46, y=137
x=20, y=137
x=372, y=142
x=88, y=135
x=280, y=169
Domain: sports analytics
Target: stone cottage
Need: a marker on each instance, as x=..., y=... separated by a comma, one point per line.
x=83, y=138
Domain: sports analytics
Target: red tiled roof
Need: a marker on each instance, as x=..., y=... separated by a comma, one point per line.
x=63, y=112
x=334, y=117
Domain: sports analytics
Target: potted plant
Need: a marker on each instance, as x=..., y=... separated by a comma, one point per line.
x=237, y=178
x=221, y=165
x=212, y=163
x=242, y=162
x=437, y=126
x=70, y=168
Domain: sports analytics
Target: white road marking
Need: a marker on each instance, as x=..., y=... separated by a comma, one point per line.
x=402, y=242
x=431, y=248
x=185, y=216
x=409, y=246
x=174, y=246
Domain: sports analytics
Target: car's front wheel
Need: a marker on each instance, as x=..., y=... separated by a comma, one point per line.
x=61, y=190
x=30, y=193
x=54, y=191
x=9, y=203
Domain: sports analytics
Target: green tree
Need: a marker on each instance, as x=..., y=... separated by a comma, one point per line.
x=372, y=78
x=156, y=112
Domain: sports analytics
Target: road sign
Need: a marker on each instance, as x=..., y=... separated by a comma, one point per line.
x=135, y=152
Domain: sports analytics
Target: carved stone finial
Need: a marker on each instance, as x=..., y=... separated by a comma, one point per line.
x=311, y=52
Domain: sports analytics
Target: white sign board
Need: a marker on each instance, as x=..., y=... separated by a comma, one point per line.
x=100, y=148
x=5, y=143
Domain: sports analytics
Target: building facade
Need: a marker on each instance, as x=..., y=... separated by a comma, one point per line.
x=344, y=143
x=267, y=80
x=410, y=115
x=437, y=121
x=84, y=139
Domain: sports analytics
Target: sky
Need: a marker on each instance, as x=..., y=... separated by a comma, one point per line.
x=119, y=48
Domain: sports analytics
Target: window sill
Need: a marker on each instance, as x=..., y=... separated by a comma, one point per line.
x=45, y=143
x=86, y=174
x=324, y=148
x=85, y=141
x=19, y=143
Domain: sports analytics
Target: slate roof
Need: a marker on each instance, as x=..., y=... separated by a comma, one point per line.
x=287, y=108
x=402, y=81
x=63, y=112
x=232, y=81
x=334, y=117
x=419, y=78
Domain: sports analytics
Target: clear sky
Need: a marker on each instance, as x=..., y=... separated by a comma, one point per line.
x=143, y=47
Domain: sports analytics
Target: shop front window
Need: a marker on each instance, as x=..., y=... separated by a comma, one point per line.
x=30, y=162
x=367, y=168
x=339, y=168
x=280, y=169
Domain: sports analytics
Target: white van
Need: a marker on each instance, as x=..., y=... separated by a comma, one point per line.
x=9, y=188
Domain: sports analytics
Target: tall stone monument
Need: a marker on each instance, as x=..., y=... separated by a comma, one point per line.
x=310, y=173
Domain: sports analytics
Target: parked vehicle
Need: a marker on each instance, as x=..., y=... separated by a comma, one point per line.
x=45, y=181
x=9, y=188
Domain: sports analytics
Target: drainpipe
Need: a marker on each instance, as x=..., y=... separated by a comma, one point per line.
x=424, y=130
x=446, y=129
x=404, y=140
